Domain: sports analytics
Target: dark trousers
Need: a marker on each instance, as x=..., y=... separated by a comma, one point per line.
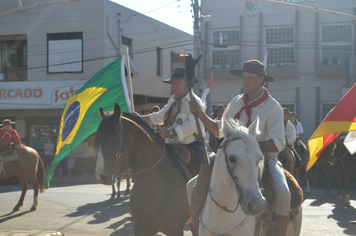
x=199, y=152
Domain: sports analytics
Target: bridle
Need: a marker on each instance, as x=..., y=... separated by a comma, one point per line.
x=224, y=146
x=118, y=155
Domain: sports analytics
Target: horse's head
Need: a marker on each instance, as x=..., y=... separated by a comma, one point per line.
x=108, y=144
x=244, y=162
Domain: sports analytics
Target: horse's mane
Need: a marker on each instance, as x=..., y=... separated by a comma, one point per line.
x=242, y=132
x=106, y=130
x=153, y=134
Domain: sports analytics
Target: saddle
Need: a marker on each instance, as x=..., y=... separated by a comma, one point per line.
x=294, y=188
x=184, y=153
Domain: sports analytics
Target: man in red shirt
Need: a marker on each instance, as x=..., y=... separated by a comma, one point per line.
x=7, y=134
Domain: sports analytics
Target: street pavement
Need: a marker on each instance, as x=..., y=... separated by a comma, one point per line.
x=323, y=215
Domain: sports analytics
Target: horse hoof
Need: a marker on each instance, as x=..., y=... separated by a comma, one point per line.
x=126, y=193
x=16, y=208
x=33, y=208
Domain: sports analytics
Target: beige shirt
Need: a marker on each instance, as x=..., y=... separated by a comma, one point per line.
x=184, y=124
x=270, y=114
x=290, y=134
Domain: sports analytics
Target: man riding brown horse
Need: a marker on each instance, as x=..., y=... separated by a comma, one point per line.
x=7, y=134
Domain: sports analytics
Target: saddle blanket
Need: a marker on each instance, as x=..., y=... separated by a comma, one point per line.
x=10, y=157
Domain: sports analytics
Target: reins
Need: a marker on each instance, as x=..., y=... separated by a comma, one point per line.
x=118, y=155
x=224, y=146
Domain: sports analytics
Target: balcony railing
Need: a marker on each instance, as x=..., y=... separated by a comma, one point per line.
x=15, y=74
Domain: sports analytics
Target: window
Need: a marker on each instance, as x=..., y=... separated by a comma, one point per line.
x=13, y=60
x=326, y=108
x=159, y=61
x=336, y=42
x=281, y=43
x=65, y=52
x=226, y=38
x=127, y=42
x=228, y=53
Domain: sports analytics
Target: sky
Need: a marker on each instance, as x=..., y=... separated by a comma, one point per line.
x=176, y=13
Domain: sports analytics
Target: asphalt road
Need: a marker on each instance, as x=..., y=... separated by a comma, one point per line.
x=79, y=206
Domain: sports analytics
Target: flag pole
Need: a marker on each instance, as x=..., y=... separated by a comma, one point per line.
x=129, y=75
x=267, y=63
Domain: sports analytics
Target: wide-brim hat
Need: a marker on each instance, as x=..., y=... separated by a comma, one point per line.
x=6, y=122
x=178, y=73
x=253, y=66
x=286, y=111
x=293, y=113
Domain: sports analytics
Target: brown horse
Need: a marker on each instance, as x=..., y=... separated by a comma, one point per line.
x=29, y=164
x=303, y=152
x=344, y=164
x=158, y=199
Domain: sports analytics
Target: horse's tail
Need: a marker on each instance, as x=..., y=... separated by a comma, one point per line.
x=41, y=173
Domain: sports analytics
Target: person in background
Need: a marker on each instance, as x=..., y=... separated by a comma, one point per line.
x=215, y=141
x=48, y=153
x=7, y=135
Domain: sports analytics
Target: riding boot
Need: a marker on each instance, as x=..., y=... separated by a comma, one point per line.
x=199, y=193
x=281, y=224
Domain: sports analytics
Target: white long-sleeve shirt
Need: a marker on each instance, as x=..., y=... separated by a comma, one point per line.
x=290, y=134
x=298, y=128
x=270, y=114
x=184, y=124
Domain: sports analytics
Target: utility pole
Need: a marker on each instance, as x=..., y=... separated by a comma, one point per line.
x=197, y=40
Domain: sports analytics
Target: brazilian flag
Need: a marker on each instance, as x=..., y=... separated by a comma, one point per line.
x=81, y=118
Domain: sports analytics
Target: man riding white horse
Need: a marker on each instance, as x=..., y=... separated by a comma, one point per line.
x=256, y=101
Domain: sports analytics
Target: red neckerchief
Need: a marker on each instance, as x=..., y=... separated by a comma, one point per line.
x=248, y=107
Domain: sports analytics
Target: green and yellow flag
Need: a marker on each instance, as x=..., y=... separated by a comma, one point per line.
x=81, y=118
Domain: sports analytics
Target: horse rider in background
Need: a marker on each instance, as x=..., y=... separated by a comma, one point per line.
x=256, y=101
x=7, y=135
x=178, y=122
x=298, y=128
x=214, y=141
x=290, y=139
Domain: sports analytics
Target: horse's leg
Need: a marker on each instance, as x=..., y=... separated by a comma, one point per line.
x=118, y=187
x=21, y=176
x=141, y=232
x=128, y=185
x=35, y=185
x=347, y=188
x=113, y=191
x=339, y=184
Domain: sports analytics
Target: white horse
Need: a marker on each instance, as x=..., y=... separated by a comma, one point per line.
x=234, y=197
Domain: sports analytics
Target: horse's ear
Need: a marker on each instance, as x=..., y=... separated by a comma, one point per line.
x=253, y=128
x=117, y=112
x=226, y=127
x=102, y=113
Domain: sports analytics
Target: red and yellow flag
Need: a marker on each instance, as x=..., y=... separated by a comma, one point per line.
x=342, y=118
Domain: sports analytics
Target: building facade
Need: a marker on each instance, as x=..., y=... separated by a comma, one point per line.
x=48, y=51
x=311, y=54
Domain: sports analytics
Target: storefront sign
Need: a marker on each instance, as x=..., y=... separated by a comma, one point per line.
x=294, y=1
x=37, y=94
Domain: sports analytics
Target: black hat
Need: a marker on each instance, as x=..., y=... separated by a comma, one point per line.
x=178, y=73
x=253, y=66
x=6, y=122
x=286, y=111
